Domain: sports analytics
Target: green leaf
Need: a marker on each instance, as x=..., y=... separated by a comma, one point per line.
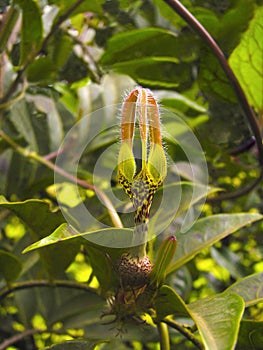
x=36, y=214
x=155, y=71
x=212, y=79
x=179, y=197
x=10, y=266
x=75, y=307
x=112, y=237
x=233, y=22
x=102, y=248
x=247, y=61
x=249, y=288
x=21, y=174
x=31, y=32
x=137, y=44
x=218, y=319
x=168, y=302
x=20, y=117
x=250, y=335
x=42, y=70
x=230, y=261
x=152, y=56
x=84, y=6
x=41, y=220
x=206, y=232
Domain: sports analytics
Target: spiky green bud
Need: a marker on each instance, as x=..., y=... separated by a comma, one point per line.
x=164, y=257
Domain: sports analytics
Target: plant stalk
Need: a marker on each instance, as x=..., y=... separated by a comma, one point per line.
x=4, y=292
x=185, y=332
x=164, y=336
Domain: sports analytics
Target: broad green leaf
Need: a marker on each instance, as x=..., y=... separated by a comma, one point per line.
x=37, y=215
x=77, y=305
x=20, y=117
x=206, y=232
x=103, y=246
x=247, y=61
x=155, y=71
x=10, y=21
x=83, y=7
x=137, y=44
x=212, y=79
x=42, y=70
x=151, y=56
x=168, y=302
x=41, y=220
x=20, y=176
x=229, y=260
x=250, y=335
x=233, y=23
x=76, y=345
x=10, y=266
x=218, y=319
x=31, y=33
x=180, y=102
x=107, y=239
x=249, y=288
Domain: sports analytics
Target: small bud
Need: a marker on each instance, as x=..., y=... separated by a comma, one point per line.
x=164, y=257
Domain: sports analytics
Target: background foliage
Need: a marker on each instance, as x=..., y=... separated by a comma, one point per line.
x=61, y=60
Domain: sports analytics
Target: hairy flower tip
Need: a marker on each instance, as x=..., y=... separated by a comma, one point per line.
x=134, y=271
x=141, y=105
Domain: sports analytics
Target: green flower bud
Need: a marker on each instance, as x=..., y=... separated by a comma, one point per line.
x=164, y=257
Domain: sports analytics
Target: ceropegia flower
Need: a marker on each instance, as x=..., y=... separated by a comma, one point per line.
x=140, y=184
x=140, y=104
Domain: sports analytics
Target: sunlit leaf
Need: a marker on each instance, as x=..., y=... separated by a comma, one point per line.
x=247, y=61
x=206, y=232
x=84, y=6
x=31, y=30
x=218, y=319
x=250, y=288
x=39, y=217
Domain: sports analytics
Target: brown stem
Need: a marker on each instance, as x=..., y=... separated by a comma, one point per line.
x=14, y=339
x=4, y=292
x=249, y=113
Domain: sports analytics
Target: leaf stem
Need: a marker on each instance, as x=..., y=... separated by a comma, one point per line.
x=14, y=339
x=184, y=331
x=4, y=292
x=42, y=160
x=249, y=113
x=164, y=336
